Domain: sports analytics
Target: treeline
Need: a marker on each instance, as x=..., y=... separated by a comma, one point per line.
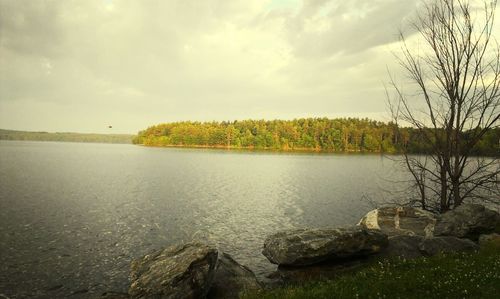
x=70, y=137
x=305, y=134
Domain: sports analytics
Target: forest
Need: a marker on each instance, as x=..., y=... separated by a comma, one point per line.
x=305, y=134
x=71, y=137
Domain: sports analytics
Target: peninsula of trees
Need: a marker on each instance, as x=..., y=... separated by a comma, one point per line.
x=305, y=134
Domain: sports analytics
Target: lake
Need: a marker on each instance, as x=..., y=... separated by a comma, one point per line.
x=73, y=215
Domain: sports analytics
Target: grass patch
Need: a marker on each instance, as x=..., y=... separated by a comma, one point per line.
x=457, y=275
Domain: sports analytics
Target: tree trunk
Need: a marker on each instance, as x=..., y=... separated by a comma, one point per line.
x=444, y=204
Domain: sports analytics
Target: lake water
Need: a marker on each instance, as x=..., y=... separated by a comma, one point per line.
x=73, y=215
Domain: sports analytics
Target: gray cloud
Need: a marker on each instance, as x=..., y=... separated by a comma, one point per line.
x=31, y=27
x=79, y=65
x=347, y=27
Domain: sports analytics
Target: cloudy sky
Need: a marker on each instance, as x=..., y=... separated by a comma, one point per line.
x=83, y=65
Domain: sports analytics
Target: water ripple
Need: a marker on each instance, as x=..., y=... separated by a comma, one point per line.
x=73, y=216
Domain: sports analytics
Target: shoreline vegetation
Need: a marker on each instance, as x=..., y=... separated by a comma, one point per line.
x=304, y=135
x=65, y=137
x=446, y=275
x=341, y=135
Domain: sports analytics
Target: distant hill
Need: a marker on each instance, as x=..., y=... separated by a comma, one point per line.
x=71, y=137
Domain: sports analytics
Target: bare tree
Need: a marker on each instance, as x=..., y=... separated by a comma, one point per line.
x=453, y=101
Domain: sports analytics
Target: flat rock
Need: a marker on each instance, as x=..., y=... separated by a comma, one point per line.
x=403, y=246
x=433, y=246
x=467, y=221
x=400, y=221
x=181, y=271
x=232, y=279
x=300, y=247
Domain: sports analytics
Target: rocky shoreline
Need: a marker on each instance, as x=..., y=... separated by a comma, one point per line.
x=198, y=270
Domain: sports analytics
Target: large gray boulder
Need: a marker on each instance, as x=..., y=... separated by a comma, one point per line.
x=433, y=246
x=300, y=247
x=232, y=279
x=182, y=271
x=395, y=221
x=467, y=221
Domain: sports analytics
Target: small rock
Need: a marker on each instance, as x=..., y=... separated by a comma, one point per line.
x=329, y=270
x=489, y=238
x=300, y=247
x=433, y=246
x=467, y=221
x=400, y=221
x=232, y=279
x=55, y=287
x=114, y=295
x=182, y=271
x=81, y=291
x=403, y=246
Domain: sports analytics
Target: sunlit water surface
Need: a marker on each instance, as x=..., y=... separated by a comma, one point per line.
x=73, y=215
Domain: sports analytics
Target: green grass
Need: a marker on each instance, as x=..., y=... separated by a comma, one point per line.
x=458, y=275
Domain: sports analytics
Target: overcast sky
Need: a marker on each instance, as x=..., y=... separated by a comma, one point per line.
x=83, y=65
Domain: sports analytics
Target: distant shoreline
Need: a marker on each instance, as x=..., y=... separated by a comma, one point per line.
x=66, y=137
